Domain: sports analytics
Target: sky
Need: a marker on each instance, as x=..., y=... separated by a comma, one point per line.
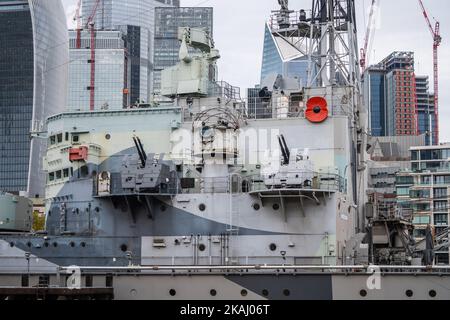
x=239, y=35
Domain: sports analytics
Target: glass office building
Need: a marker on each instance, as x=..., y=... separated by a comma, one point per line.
x=280, y=58
x=425, y=110
x=376, y=103
x=111, y=72
x=136, y=19
x=167, y=45
x=33, y=86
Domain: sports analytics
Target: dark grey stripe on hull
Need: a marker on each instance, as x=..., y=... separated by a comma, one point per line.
x=287, y=287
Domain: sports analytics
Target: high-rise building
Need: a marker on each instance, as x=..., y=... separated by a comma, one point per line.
x=398, y=100
x=425, y=190
x=111, y=71
x=135, y=18
x=425, y=110
x=280, y=58
x=167, y=45
x=34, y=59
x=374, y=91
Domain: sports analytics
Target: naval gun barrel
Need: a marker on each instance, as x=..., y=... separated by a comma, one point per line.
x=140, y=150
x=284, y=150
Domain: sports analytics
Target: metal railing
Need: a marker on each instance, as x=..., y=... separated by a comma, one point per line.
x=322, y=181
x=285, y=107
x=346, y=270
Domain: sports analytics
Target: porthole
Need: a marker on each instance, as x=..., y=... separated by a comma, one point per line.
x=276, y=206
x=265, y=292
x=432, y=293
x=213, y=292
x=97, y=209
x=46, y=244
x=55, y=244
x=363, y=293
x=29, y=244
x=201, y=247
x=123, y=247
x=107, y=136
x=256, y=206
x=172, y=292
x=11, y=244
x=273, y=247
x=83, y=244
x=409, y=293
x=72, y=244
x=244, y=293
x=202, y=207
x=286, y=292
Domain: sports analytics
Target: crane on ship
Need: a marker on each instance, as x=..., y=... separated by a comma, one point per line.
x=437, y=39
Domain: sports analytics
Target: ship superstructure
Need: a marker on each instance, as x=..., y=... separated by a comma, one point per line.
x=203, y=186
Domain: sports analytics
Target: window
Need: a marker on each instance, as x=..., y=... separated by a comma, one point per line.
x=51, y=176
x=441, y=219
x=421, y=220
x=402, y=191
x=52, y=140
x=59, y=138
x=440, y=206
x=419, y=194
x=66, y=173
x=420, y=233
x=75, y=138
x=58, y=175
x=426, y=180
x=440, y=193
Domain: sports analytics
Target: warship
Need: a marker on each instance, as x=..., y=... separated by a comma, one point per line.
x=207, y=197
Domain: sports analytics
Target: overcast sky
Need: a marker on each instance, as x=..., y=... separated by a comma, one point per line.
x=239, y=32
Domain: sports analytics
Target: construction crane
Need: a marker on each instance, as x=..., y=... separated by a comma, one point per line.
x=437, y=39
x=77, y=18
x=370, y=32
x=90, y=24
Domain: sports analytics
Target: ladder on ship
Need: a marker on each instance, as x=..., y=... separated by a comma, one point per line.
x=233, y=218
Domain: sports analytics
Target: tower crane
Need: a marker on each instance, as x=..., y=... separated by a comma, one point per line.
x=370, y=32
x=437, y=39
x=90, y=24
x=77, y=18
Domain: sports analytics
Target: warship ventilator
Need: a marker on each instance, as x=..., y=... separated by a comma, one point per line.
x=208, y=198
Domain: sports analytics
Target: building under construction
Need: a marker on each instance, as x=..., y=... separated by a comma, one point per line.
x=399, y=101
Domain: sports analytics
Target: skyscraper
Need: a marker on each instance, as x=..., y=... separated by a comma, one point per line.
x=280, y=58
x=398, y=100
x=111, y=71
x=425, y=110
x=33, y=85
x=135, y=18
x=167, y=45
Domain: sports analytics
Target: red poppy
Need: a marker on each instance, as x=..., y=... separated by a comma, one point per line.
x=317, y=110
